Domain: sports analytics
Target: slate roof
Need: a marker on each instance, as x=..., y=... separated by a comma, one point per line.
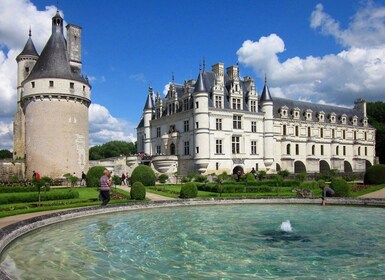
x=29, y=49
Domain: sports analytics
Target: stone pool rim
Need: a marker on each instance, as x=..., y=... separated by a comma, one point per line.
x=13, y=231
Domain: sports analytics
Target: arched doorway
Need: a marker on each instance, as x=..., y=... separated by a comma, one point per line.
x=172, y=149
x=367, y=164
x=324, y=166
x=299, y=167
x=237, y=168
x=347, y=167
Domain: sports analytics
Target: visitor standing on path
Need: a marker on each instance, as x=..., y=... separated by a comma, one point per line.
x=105, y=183
x=84, y=178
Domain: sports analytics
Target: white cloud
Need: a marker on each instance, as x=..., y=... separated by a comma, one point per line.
x=356, y=72
x=103, y=127
x=6, y=130
x=166, y=88
x=139, y=77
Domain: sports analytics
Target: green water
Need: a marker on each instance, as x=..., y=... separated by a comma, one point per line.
x=207, y=242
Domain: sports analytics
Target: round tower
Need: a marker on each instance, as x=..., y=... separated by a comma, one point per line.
x=147, y=117
x=201, y=125
x=26, y=60
x=268, y=125
x=55, y=100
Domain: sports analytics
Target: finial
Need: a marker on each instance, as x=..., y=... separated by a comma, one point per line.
x=172, y=78
x=204, y=64
x=200, y=67
x=265, y=79
x=29, y=33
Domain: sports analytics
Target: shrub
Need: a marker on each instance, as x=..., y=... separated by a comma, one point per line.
x=19, y=189
x=375, y=175
x=300, y=176
x=261, y=174
x=341, y=187
x=93, y=176
x=143, y=174
x=250, y=177
x=33, y=197
x=284, y=173
x=163, y=178
x=116, y=180
x=309, y=185
x=188, y=190
x=138, y=191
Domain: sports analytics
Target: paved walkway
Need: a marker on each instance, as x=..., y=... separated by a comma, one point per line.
x=13, y=219
x=376, y=194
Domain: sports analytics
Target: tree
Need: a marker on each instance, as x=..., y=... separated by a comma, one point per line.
x=376, y=115
x=112, y=149
x=5, y=154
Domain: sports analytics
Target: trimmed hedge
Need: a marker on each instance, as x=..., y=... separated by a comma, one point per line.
x=143, y=174
x=138, y=191
x=34, y=197
x=19, y=189
x=188, y=190
x=341, y=187
x=93, y=176
x=375, y=175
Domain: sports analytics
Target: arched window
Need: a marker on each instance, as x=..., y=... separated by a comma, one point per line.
x=172, y=149
x=288, y=149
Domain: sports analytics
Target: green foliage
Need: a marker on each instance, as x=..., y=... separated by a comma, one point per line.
x=112, y=149
x=376, y=115
x=250, y=177
x=93, y=176
x=192, y=177
x=284, y=173
x=138, y=191
x=116, y=180
x=309, y=185
x=5, y=154
x=375, y=175
x=18, y=189
x=300, y=176
x=33, y=197
x=143, y=174
x=261, y=174
x=188, y=190
x=163, y=178
x=341, y=187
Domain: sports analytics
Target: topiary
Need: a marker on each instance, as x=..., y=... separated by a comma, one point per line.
x=93, y=176
x=341, y=187
x=163, y=178
x=375, y=175
x=188, y=190
x=138, y=191
x=143, y=174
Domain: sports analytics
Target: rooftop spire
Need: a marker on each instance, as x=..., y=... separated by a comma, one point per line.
x=200, y=85
x=266, y=93
x=29, y=48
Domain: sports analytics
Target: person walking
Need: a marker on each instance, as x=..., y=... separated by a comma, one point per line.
x=105, y=184
x=84, y=178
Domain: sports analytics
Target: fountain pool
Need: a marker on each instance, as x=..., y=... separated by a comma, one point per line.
x=207, y=242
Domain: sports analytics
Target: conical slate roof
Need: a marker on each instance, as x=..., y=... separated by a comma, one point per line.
x=200, y=85
x=265, y=93
x=149, y=102
x=29, y=49
x=53, y=61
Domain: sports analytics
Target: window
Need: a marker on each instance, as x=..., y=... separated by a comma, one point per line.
x=297, y=149
x=218, y=146
x=366, y=136
x=237, y=122
x=308, y=131
x=366, y=151
x=218, y=101
x=33, y=84
x=337, y=150
x=51, y=83
x=253, y=106
x=218, y=124
x=236, y=103
x=253, y=147
x=172, y=128
x=27, y=69
x=197, y=125
x=288, y=149
x=321, y=132
x=158, y=113
x=333, y=133
x=344, y=134
x=284, y=129
x=253, y=126
x=185, y=104
x=217, y=166
x=197, y=150
x=186, y=125
x=344, y=150
x=355, y=135
x=84, y=88
x=359, y=151
x=235, y=145
x=313, y=150
x=186, y=147
x=322, y=150
x=72, y=85
x=296, y=131
x=158, y=133
x=158, y=150
x=197, y=104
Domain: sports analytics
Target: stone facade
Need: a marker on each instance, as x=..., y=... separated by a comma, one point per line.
x=51, y=123
x=221, y=123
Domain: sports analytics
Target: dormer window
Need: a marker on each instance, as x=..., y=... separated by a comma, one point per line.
x=343, y=119
x=308, y=115
x=283, y=111
x=355, y=120
x=332, y=117
x=365, y=122
x=295, y=113
x=321, y=116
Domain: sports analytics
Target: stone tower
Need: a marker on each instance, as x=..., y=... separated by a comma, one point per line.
x=53, y=98
x=268, y=126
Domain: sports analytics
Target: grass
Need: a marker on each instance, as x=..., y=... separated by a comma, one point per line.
x=87, y=197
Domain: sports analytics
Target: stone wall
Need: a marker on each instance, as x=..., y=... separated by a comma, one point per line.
x=9, y=169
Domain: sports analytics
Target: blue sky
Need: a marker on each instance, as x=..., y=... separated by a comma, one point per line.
x=321, y=51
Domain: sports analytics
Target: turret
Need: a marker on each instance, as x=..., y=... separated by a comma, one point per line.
x=147, y=117
x=201, y=125
x=360, y=105
x=267, y=107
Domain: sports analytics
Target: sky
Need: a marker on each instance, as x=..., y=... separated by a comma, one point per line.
x=324, y=51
